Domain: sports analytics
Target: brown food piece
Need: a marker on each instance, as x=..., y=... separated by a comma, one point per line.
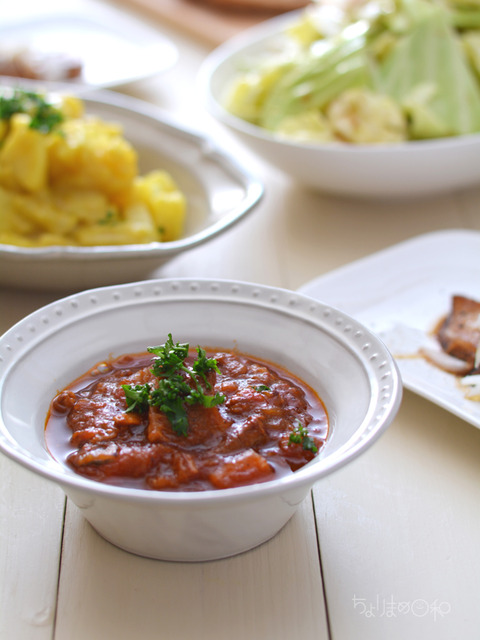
x=245, y=468
x=272, y=6
x=36, y=65
x=459, y=332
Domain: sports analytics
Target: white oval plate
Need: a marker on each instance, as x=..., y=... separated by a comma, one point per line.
x=114, y=48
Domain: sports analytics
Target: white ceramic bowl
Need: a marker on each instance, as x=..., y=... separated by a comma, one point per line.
x=343, y=361
x=408, y=169
x=219, y=193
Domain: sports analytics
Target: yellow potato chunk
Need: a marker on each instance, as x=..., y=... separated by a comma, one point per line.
x=24, y=156
x=3, y=129
x=87, y=205
x=19, y=240
x=165, y=201
x=92, y=154
x=11, y=221
x=41, y=212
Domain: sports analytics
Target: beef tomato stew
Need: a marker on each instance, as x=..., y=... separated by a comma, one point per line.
x=179, y=419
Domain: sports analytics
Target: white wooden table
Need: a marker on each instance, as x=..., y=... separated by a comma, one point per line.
x=386, y=549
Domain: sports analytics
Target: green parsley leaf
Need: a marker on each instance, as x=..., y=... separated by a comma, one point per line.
x=110, y=218
x=43, y=116
x=10, y=106
x=137, y=397
x=300, y=435
x=168, y=357
x=173, y=393
x=169, y=397
x=203, y=365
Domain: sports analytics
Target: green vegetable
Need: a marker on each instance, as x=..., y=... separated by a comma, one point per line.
x=428, y=74
x=111, y=217
x=43, y=116
x=173, y=394
x=137, y=397
x=300, y=435
x=424, y=55
x=10, y=106
x=318, y=78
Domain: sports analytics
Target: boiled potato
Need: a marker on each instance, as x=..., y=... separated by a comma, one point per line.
x=165, y=202
x=24, y=156
x=67, y=178
x=91, y=154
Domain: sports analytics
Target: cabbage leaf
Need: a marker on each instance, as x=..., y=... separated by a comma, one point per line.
x=428, y=74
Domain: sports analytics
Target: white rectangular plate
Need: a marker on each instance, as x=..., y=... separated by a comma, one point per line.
x=400, y=294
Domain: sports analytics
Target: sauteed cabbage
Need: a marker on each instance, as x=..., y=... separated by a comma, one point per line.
x=383, y=71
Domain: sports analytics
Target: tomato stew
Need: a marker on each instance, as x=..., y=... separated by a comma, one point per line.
x=269, y=424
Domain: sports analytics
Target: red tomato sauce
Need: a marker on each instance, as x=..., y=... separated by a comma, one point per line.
x=244, y=440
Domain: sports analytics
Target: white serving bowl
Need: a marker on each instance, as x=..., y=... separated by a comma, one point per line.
x=344, y=362
x=408, y=169
x=219, y=193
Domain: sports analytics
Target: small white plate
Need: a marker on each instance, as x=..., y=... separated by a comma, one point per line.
x=114, y=48
x=400, y=294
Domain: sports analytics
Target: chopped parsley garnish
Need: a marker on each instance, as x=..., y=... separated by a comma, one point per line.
x=262, y=387
x=10, y=106
x=173, y=393
x=137, y=397
x=300, y=435
x=43, y=116
x=110, y=218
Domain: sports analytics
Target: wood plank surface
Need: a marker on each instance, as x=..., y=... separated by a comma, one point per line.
x=31, y=525
x=179, y=601
x=377, y=520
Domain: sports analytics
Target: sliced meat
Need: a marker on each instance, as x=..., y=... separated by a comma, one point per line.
x=459, y=333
